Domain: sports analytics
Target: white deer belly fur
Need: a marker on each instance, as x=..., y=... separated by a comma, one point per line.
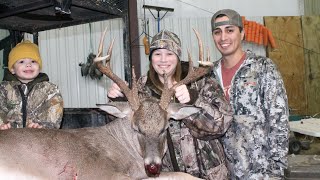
x=6, y=174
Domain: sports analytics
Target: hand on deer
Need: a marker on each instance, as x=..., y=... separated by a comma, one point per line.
x=5, y=126
x=114, y=91
x=34, y=125
x=182, y=94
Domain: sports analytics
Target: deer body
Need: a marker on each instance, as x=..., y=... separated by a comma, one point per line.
x=89, y=153
x=130, y=147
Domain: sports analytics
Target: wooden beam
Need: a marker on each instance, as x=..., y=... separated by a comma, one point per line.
x=25, y=8
x=133, y=34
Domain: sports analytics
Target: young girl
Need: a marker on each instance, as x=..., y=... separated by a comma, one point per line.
x=193, y=145
x=27, y=98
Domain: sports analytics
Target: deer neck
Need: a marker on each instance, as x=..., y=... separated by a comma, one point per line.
x=123, y=132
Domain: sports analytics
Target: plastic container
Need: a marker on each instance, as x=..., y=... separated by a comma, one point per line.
x=84, y=117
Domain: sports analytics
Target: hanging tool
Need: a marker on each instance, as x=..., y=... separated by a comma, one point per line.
x=146, y=42
x=146, y=37
x=157, y=8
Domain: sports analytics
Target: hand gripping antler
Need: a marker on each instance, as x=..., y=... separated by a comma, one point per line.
x=192, y=74
x=131, y=94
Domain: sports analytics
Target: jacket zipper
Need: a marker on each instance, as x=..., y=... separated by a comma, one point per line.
x=24, y=107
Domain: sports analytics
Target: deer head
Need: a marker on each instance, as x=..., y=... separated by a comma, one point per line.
x=149, y=116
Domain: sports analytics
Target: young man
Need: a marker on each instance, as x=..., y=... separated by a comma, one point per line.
x=27, y=98
x=256, y=144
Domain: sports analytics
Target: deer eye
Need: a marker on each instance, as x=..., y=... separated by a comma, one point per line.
x=138, y=130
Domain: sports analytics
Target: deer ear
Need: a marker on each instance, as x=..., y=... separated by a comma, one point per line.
x=180, y=111
x=118, y=109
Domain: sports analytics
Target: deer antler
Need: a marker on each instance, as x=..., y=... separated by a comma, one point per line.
x=131, y=94
x=192, y=75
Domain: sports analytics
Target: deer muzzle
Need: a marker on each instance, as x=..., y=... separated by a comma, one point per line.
x=153, y=170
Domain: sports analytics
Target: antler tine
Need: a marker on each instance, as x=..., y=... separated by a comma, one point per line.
x=134, y=99
x=208, y=53
x=166, y=93
x=191, y=76
x=99, y=56
x=132, y=95
x=100, y=49
x=199, y=44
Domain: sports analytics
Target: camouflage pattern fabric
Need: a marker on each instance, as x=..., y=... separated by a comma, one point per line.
x=44, y=104
x=195, y=139
x=166, y=40
x=256, y=145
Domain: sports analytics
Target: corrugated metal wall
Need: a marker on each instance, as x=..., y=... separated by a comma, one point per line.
x=63, y=49
x=206, y=8
x=183, y=28
x=3, y=34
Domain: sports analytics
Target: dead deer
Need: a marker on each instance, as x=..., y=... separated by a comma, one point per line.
x=130, y=147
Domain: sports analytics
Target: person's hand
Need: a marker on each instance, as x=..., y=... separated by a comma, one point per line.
x=182, y=94
x=5, y=126
x=114, y=91
x=34, y=125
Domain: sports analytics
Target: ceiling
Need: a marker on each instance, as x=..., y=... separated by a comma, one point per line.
x=39, y=15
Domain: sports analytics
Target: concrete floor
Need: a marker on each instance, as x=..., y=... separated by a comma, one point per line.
x=305, y=165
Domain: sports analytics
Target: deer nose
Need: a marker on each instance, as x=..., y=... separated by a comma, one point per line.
x=153, y=170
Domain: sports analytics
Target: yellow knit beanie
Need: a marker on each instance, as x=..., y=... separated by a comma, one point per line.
x=25, y=49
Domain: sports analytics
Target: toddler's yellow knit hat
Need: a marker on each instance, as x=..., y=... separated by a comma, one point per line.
x=25, y=49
